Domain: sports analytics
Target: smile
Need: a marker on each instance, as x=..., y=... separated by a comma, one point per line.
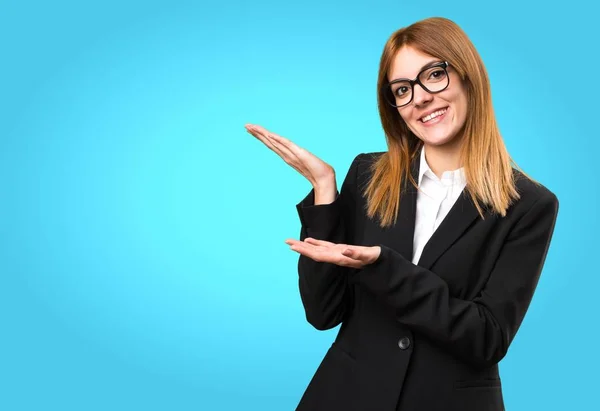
x=435, y=115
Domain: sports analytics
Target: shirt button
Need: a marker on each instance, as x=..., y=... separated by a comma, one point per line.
x=404, y=343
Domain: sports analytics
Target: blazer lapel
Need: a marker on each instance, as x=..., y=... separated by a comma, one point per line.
x=459, y=218
x=456, y=222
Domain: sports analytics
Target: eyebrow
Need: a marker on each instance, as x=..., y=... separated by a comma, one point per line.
x=425, y=66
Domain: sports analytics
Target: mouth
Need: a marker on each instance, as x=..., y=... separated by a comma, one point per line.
x=434, y=117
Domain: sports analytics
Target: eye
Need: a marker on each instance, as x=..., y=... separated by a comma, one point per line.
x=402, y=90
x=437, y=74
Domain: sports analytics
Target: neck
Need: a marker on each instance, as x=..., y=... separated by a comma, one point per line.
x=443, y=158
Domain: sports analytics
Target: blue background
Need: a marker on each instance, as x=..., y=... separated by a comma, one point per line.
x=135, y=210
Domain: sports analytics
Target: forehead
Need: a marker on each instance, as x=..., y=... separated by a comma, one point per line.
x=407, y=63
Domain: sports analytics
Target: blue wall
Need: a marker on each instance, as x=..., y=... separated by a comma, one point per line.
x=135, y=209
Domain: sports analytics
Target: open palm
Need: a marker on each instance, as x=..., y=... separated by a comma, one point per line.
x=310, y=166
x=345, y=255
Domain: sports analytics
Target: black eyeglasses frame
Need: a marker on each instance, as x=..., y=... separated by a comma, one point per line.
x=387, y=87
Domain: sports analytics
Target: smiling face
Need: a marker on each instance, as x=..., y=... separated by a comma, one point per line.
x=437, y=118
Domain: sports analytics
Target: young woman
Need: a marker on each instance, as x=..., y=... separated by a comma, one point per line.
x=430, y=254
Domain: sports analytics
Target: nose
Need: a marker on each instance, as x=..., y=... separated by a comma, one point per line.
x=420, y=96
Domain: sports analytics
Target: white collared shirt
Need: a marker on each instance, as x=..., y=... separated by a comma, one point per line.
x=434, y=200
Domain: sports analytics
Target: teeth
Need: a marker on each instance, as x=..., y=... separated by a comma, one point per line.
x=433, y=115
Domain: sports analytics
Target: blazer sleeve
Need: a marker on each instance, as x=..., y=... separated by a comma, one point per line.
x=478, y=331
x=324, y=287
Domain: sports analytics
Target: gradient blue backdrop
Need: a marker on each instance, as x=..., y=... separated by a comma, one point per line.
x=135, y=210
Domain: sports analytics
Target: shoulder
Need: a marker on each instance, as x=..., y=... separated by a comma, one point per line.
x=361, y=167
x=532, y=192
x=369, y=157
x=536, y=207
x=363, y=161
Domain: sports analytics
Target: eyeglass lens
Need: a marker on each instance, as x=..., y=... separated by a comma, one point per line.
x=434, y=79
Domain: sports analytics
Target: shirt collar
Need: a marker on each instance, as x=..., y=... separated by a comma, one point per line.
x=450, y=177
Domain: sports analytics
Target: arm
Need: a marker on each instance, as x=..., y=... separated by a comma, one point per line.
x=324, y=288
x=478, y=331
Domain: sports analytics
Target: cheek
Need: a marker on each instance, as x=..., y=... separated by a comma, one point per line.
x=459, y=101
x=406, y=115
x=460, y=115
x=462, y=106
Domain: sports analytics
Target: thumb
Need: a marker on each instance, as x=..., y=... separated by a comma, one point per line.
x=352, y=253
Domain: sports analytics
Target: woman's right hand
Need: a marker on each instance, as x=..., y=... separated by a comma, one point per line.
x=320, y=174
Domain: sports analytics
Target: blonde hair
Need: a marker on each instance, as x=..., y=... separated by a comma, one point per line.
x=486, y=162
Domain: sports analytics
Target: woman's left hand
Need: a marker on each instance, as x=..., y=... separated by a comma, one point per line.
x=345, y=255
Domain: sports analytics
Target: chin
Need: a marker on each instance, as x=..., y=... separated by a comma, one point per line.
x=438, y=140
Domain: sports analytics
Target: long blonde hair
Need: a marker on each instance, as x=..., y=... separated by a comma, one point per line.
x=486, y=162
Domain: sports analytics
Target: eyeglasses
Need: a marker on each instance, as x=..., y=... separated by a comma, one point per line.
x=433, y=79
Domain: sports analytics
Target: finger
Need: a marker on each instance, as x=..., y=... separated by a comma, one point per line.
x=295, y=156
x=353, y=253
x=362, y=254
x=324, y=254
x=259, y=136
x=311, y=248
x=291, y=163
x=292, y=241
x=300, y=155
x=306, y=250
x=289, y=144
x=260, y=133
x=327, y=257
x=311, y=240
x=285, y=145
x=279, y=149
x=285, y=153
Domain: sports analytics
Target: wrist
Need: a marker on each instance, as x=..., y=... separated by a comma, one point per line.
x=325, y=192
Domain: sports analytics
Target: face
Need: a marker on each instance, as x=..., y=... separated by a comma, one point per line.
x=436, y=131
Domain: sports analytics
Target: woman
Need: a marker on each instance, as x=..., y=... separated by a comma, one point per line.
x=431, y=253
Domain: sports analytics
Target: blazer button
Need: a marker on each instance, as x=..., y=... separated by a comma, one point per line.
x=404, y=343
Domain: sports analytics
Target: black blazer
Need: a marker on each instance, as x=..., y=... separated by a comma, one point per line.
x=427, y=336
